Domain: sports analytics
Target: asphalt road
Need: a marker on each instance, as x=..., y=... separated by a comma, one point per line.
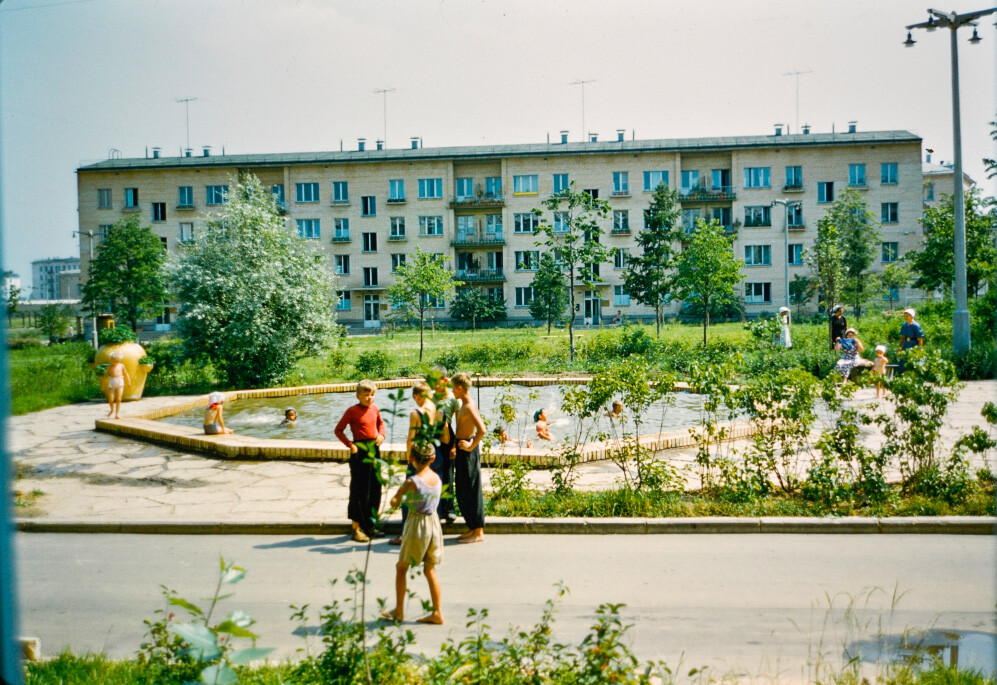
x=755, y=604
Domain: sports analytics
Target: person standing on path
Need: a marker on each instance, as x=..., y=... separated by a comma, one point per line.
x=839, y=324
x=911, y=336
x=469, y=432
x=424, y=407
x=447, y=407
x=782, y=336
x=367, y=428
x=117, y=376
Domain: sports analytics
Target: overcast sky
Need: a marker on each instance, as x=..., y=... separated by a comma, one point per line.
x=79, y=78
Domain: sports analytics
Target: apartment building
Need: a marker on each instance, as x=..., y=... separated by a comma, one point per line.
x=370, y=208
x=46, y=275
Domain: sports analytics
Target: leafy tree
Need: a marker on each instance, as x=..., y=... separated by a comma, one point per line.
x=419, y=283
x=801, y=290
x=550, y=291
x=53, y=319
x=252, y=295
x=648, y=279
x=126, y=274
x=825, y=259
x=706, y=270
x=573, y=237
x=472, y=304
x=13, y=302
x=991, y=164
x=859, y=240
x=895, y=277
x=934, y=263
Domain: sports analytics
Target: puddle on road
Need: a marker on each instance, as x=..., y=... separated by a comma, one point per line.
x=965, y=649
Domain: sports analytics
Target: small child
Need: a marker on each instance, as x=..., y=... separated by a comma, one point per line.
x=543, y=431
x=422, y=537
x=879, y=368
x=367, y=428
x=290, y=418
x=617, y=410
x=117, y=376
x=214, y=419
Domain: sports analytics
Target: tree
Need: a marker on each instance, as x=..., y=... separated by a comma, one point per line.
x=859, y=240
x=53, y=319
x=252, y=295
x=13, y=302
x=706, y=270
x=420, y=283
x=573, y=237
x=801, y=290
x=991, y=164
x=895, y=277
x=825, y=260
x=550, y=291
x=472, y=304
x=126, y=274
x=648, y=278
x=934, y=263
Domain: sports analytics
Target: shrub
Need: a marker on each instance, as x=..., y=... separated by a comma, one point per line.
x=23, y=343
x=115, y=335
x=372, y=364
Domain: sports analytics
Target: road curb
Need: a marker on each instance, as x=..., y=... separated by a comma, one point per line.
x=937, y=525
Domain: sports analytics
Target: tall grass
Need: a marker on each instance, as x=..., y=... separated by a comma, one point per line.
x=52, y=376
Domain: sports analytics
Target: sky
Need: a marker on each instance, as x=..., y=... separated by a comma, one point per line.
x=82, y=78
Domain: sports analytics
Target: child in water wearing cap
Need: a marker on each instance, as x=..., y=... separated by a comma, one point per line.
x=879, y=368
x=214, y=421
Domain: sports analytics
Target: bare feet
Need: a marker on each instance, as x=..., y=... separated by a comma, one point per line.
x=395, y=615
x=435, y=618
x=473, y=537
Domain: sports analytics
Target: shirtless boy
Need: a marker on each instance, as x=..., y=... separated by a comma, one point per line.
x=117, y=376
x=467, y=466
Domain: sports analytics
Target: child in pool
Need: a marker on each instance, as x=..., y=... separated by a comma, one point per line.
x=422, y=537
x=617, y=410
x=214, y=420
x=502, y=435
x=543, y=432
x=290, y=418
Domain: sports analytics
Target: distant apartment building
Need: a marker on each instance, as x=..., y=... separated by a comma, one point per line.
x=939, y=181
x=369, y=208
x=46, y=275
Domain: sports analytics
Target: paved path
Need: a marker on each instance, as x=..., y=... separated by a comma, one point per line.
x=93, y=476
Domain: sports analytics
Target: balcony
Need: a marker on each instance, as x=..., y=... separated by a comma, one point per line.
x=624, y=230
x=704, y=194
x=341, y=238
x=185, y=208
x=797, y=227
x=620, y=193
x=397, y=200
x=479, y=201
x=397, y=238
x=339, y=203
x=754, y=222
x=480, y=275
x=793, y=188
x=478, y=240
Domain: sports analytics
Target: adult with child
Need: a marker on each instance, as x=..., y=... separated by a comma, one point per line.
x=911, y=336
x=420, y=418
x=214, y=415
x=850, y=348
x=470, y=429
x=838, y=324
x=367, y=430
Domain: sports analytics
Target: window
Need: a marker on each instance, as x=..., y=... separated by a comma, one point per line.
x=186, y=232
x=758, y=215
x=721, y=180
x=344, y=300
x=369, y=241
x=525, y=222
x=340, y=191
x=653, y=179
x=794, y=177
x=795, y=254
x=430, y=225
x=397, y=227
x=104, y=229
x=621, y=221
x=524, y=296
x=690, y=180
x=341, y=229
x=342, y=264
x=689, y=217
x=465, y=188
x=493, y=186
x=528, y=260
x=131, y=198
x=929, y=192
x=892, y=296
x=888, y=173
x=794, y=215
x=757, y=177
x=434, y=301
x=493, y=225
x=397, y=260
x=494, y=292
x=368, y=205
x=525, y=184
x=562, y=222
x=370, y=276
x=159, y=211
x=723, y=216
x=185, y=197
x=856, y=175
x=757, y=293
x=825, y=191
x=592, y=193
x=396, y=190
x=621, y=256
x=309, y=228
x=306, y=192
x=215, y=195
x=890, y=252
x=560, y=183
x=430, y=188
x=757, y=255
x=465, y=226
x=889, y=212
x=621, y=298
x=621, y=183
x=277, y=190
x=103, y=198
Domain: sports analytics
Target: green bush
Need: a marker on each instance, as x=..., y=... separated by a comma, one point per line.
x=116, y=335
x=372, y=364
x=23, y=343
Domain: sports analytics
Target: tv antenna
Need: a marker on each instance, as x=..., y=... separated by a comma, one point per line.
x=581, y=82
x=186, y=103
x=797, y=74
x=384, y=92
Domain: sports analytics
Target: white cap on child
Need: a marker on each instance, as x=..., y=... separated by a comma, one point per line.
x=881, y=348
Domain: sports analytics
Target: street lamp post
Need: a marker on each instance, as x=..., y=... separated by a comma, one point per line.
x=953, y=21
x=93, y=320
x=785, y=253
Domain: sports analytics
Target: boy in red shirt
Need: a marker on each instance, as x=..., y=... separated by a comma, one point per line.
x=367, y=428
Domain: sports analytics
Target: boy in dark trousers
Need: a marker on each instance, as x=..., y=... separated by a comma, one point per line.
x=367, y=428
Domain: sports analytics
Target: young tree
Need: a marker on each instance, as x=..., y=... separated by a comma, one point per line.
x=825, y=261
x=934, y=263
x=53, y=319
x=420, y=282
x=895, y=277
x=13, y=302
x=550, y=291
x=573, y=238
x=706, y=270
x=801, y=290
x=126, y=274
x=859, y=240
x=648, y=278
x=252, y=295
x=472, y=304
x=991, y=164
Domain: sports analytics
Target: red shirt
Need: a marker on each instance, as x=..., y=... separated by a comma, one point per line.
x=365, y=423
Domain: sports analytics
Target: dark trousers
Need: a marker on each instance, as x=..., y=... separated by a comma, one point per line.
x=365, y=488
x=467, y=482
x=442, y=466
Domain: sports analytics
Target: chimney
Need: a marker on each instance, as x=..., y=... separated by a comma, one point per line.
x=806, y=129
x=564, y=137
x=416, y=142
x=380, y=144
x=619, y=134
x=851, y=126
x=593, y=137
x=361, y=144
x=188, y=152
x=207, y=150
x=155, y=153
x=778, y=129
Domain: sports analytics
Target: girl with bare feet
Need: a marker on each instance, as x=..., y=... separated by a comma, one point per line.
x=422, y=537
x=117, y=376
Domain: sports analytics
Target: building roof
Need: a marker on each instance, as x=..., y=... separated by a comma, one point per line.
x=474, y=152
x=932, y=169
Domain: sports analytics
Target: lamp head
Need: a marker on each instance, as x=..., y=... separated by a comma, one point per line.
x=932, y=24
x=975, y=38
x=909, y=43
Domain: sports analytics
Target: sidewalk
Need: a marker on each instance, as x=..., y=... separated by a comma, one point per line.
x=95, y=481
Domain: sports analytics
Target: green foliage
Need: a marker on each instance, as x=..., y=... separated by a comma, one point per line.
x=13, y=302
x=550, y=291
x=372, y=364
x=859, y=241
x=126, y=274
x=801, y=290
x=419, y=282
x=826, y=260
x=252, y=296
x=51, y=376
x=53, y=320
x=115, y=335
x=472, y=304
x=894, y=278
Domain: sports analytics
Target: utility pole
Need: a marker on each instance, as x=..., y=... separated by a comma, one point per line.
x=785, y=254
x=384, y=92
x=797, y=74
x=186, y=103
x=93, y=319
x=580, y=82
